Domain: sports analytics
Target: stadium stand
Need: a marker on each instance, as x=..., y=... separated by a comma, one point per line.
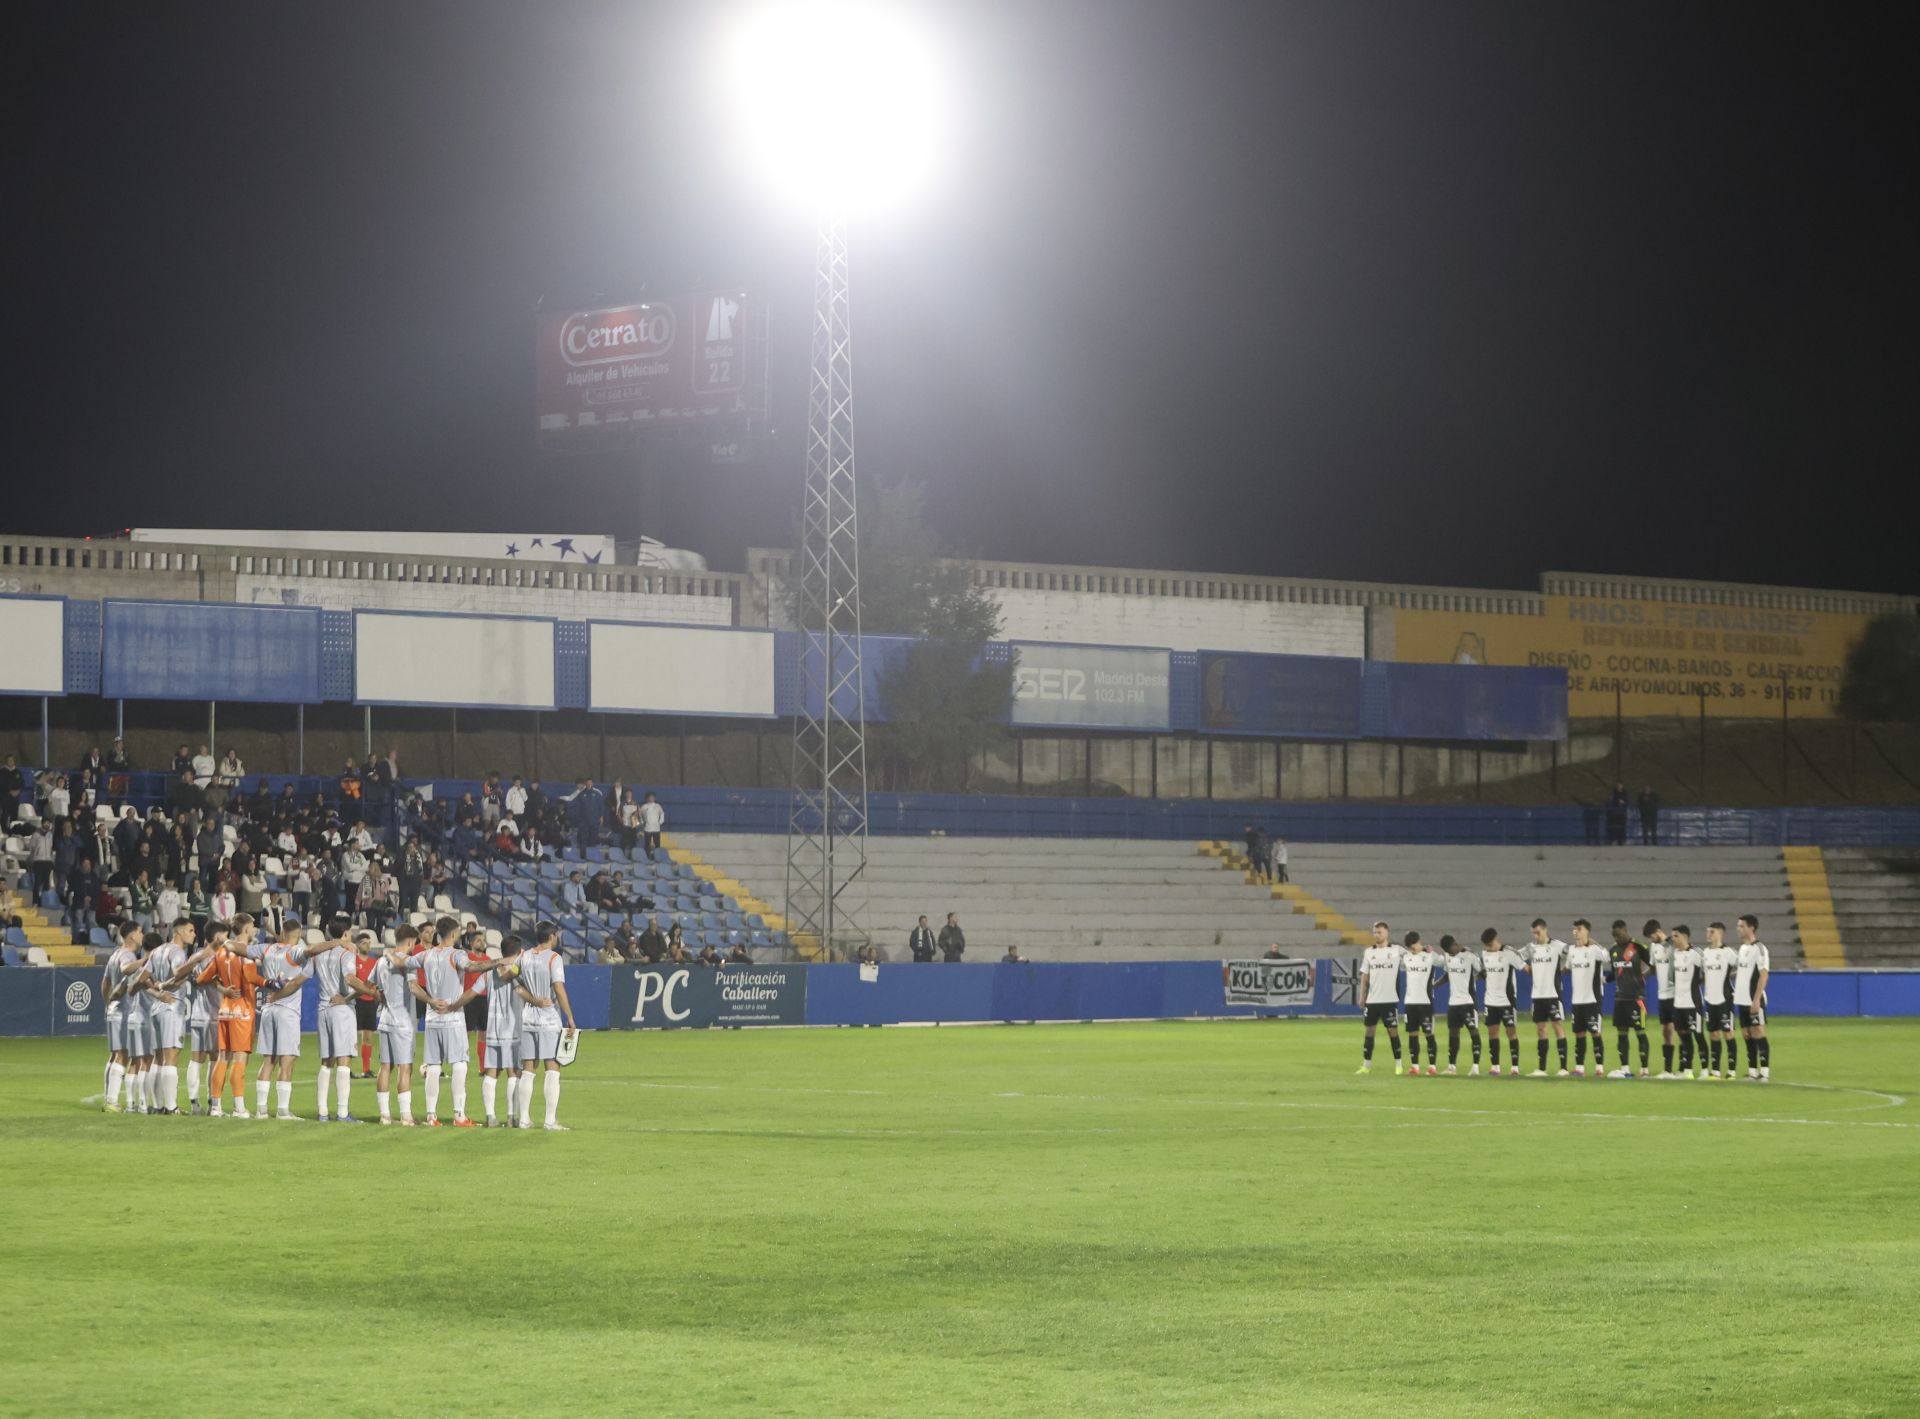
x=1462, y=890
x=1876, y=898
x=1057, y=899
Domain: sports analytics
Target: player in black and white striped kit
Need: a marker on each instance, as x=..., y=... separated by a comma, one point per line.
x=1751, y=966
x=1462, y=967
x=1500, y=967
x=1687, y=966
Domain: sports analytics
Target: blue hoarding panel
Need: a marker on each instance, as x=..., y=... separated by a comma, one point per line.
x=1473, y=702
x=698, y=997
x=1300, y=696
x=184, y=650
x=1091, y=686
x=934, y=994
x=26, y=1001
x=77, y=1008
x=83, y=647
x=1808, y=993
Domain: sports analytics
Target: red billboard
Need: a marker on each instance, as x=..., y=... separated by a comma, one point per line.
x=680, y=360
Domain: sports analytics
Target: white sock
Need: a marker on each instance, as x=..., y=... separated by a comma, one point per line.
x=523, y=1098
x=323, y=1086
x=116, y=1075
x=433, y=1090
x=460, y=1088
x=260, y=1095
x=149, y=1087
x=553, y=1096
x=342, y=1073
x=193, y=1082
x=489, y=1091
x=386, y=1105
x=406, y=1103
x=283, y=1095
x=169, y=1086
x=137, y=1090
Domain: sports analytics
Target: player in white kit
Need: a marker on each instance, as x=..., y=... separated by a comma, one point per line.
x=1419, y=964
x=500, y=1052
x=124, y=976
x=1380, y=994
x=1501, y=966
x=443, y=972
x=1660, y=954
x=1752, y=965
x=168, y=969
x=396, y=984
x=1686, y=1001
x=333, y=1018
x=1587, y=962
x=1716, y=995
x=1547, y=962
x=1462, y=967
x=543, y=976
x=281, y=965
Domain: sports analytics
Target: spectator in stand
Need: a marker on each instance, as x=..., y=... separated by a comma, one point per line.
x=611, y=953
x=490, y=799
x=677, y=945
x=653, y=942
x=66, y=853
x=94, y=760
x=1013, y=957
x=378, y=899
x=514, y=800
x=350, y=784
x=921, y=943
x=1649, y=816
x=739, y=955
x=653, y=821
x=198, y=906
x=126, y=835
x=300, y=883
x=140, y=901
x=40, y=857
x=1279, y=859
x=117, y=760
x=227, y=780
x=83, y=897
x=1617, y=816
x=13, y=783
x=168, y=906
x=184, y=796
x=59, y=797
x=353, y=874
x=537, y=807
x=708, y=956
x=867, y=955
x=1256, y=838
x=953, y=941
x=586, y=811
x=573, y=894
x=253, y=890
x=182, y=760
x=224, y=905
x=628, y=816
x=1273, y=953
x=203, y=768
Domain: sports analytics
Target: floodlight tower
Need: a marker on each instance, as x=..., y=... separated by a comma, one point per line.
x=845, y=110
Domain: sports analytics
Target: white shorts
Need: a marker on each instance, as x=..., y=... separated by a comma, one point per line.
x=538, y=1042
x=205, y=1035
x=137, y=1030
x=337, y=1029
x=446, y=1040
x=167, y=1029
x=117, y=1031
x=496, y=1055
x=279, y=1035
x=396, y=1046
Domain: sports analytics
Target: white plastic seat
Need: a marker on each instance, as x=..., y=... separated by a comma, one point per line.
x=415, y=918
x=493, y=939
x=387, y=935
x=469, y=919
x=103, y=814
x=37, y=956
x=443, y=903
x=273, y=867
x=315, y=936
x=29, y=814
x=229, y=834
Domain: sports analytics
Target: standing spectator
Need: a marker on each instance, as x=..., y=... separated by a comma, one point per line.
x=1279, y=859
x=199, y=907
x=377, y=900
x=1617, y=816
x=653, y=821
x=350, y=784
x=515, y=799
x=59, y=799
x=921, y=943
x=202, y=766
x=652, y=943
x=677, y=944
x=210, y=845
x=627, y=815
x=182, y=761
x=586, y=811
x=1256, y=841
x=83, y=897
x=12, y=784
x=490, y=799
x=94, y=762
x=300, y=882
x=537, y=804
x=117, y=760
x=1649, y=816
x=140, y=901
x=224, y=905
x=40, y=855
x=1013, y=957
x=253, y=890
x=953, y=941
x=168, y=906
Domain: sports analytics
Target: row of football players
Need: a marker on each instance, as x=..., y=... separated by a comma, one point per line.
x=1711, y=999
x=234, y=995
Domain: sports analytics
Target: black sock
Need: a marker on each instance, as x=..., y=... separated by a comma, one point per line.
x=1766, y=1052
x=1666, y=1056
x=1394, y=1040
x=1453, y=1046
x=1543, y=1055
x=1562, y=1042
x=1367, y=1053
x=1624, y=1056
x=1433, y=1049
x=1700, y=1048
x=1493, y=1046
x=1580, y=1051
x=1600, y=1050
x=1474, y=1035
x=1716, y=1056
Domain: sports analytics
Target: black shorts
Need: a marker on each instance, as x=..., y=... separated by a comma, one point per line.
x=1498, y=1015
x=1420, y=1019
x=1462, y=1017
x=1548, y=1009
x=1586, y=1019
x=1753, y=1016
x=476, y=1013
x=1719, y=1019
x=366, y=1015
x=1629, y=1014
x=1388, y=1015
x=1666, y=1009
x=1685, y=1021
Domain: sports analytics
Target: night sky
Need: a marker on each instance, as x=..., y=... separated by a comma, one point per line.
x=1435, y=292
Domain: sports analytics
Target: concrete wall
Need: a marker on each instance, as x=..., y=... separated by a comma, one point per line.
x=495, y=600
x=1181, y=623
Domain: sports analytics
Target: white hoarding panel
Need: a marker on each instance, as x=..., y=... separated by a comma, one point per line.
x=33, y=645
x=452, y=660
x=680, y=670
x=1091, y=687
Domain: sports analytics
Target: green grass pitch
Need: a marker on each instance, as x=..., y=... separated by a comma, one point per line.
x=1113, y=1220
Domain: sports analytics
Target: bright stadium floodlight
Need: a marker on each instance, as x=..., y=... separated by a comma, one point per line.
x=842, y=105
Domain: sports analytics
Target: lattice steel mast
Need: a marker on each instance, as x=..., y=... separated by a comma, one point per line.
x=827, y=819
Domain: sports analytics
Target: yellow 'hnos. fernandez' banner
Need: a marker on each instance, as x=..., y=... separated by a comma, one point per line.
x=1660, y=657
